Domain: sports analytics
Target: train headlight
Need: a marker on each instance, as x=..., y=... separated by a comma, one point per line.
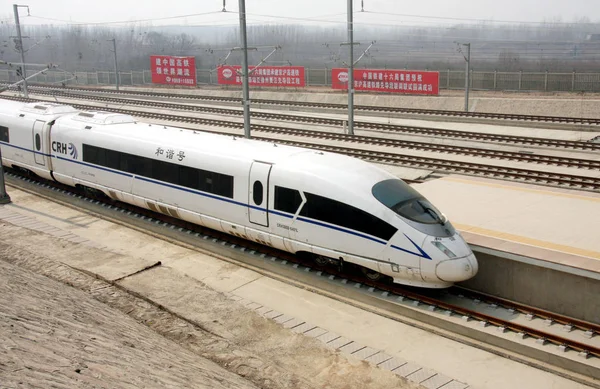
x=444, y=249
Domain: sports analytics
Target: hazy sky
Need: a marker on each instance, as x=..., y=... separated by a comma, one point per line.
x=326, y=12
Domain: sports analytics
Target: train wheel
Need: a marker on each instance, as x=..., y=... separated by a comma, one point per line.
x=93, y=193
x=321, y=260
x=26, y=172
x=372, y=275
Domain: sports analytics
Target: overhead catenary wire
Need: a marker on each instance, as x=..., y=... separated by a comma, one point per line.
x=323, y=19
x=129, y=21
x=391, y=49
x=477, y=20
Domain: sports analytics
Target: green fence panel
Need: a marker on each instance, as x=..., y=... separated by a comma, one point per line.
x=587, y=82
x=533, y=81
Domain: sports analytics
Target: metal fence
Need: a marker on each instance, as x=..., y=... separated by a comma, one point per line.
x=492, y=81
x=522, y=81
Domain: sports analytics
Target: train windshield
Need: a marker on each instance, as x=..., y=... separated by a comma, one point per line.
x=407, y=202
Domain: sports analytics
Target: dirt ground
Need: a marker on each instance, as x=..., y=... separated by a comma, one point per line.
x=66, y=328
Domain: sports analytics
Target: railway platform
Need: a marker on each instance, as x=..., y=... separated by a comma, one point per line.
x=229, y=299
x=542, y=240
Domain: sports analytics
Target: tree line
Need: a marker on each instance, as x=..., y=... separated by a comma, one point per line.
x=549, y=46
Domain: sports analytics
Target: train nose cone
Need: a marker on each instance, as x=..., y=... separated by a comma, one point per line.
x=474, y=264
x=459, y=269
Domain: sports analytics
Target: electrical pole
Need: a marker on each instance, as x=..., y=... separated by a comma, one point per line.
x=21, y=48
x=4, y=197
x=49, y=66
x=350, y=71
x=114, y=41
x=467, y=76
x=245, y=73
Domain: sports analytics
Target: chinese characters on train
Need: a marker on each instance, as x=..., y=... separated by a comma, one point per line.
x=394, y=81
x=171, y=70
x=290, y=76
x=170, y=153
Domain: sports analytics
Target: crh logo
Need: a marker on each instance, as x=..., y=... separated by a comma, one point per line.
x=227, y=73
x=62, y=148
x=72, y=151
x=343, y=77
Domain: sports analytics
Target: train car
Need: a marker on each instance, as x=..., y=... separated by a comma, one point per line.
x=334, y=208
x=30, y=145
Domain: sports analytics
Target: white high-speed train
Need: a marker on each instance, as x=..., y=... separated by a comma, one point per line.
x=335, y=208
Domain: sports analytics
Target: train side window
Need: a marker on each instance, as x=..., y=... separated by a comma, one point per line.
x=213, y=182
x=223, y=184
x=38, y=142
x=144, y=167
x=217, y=183
x=344, y=215
x=113, y=159
x=101, y=156
x=4, y=134
x=205, y=181
x=95, y=155
x=127, y=163
x=164, y=171
x=188, y=177
x=137, y=165
x=257, y=192
x=90, y=153
x=287, y=200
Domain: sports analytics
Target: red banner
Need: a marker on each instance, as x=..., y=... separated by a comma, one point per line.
x=291, y=76
x=383, y=80
x=167, y=69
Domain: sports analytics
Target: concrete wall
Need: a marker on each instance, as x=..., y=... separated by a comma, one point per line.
x=553, y=290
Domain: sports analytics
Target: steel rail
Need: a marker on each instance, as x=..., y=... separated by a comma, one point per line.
x=361, y=125
x=559, y=161
x=528, y=309
x=440, y=165
x=364, y=108
x=434, y=147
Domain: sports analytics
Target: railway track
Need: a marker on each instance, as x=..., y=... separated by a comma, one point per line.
x=445, y=166
x=360, y=108
x=578, y=337
x=359, y=125
x=425, y=146
x=436, y=164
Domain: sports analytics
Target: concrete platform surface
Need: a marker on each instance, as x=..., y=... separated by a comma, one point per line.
x=192, y=284
x=502, y=214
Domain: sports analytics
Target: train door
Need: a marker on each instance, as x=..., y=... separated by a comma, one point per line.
x=258, y=193
x=39, y=145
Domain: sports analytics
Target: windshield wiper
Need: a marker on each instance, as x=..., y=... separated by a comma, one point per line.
x=433, y=213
